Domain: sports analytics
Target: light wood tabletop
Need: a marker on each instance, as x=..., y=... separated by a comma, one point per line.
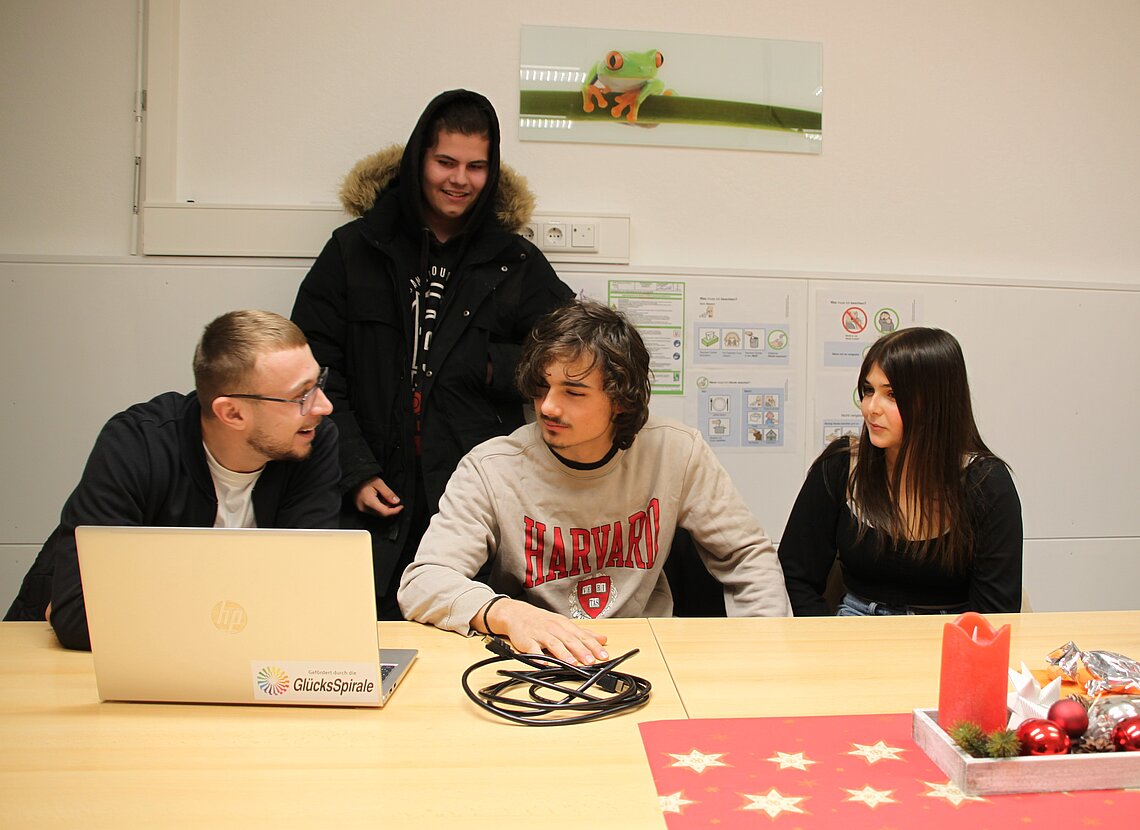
x=851, y=665
x=429, y=758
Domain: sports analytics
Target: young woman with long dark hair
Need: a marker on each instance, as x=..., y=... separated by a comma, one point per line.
x=922, y=516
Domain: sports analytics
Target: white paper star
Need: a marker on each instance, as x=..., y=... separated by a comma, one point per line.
x=673, y=802
x=793, y=760
x=951, y=793
x=877, y=752
x=871, y=797
x=1028, y=699
x=697, y=761
x=773, y=803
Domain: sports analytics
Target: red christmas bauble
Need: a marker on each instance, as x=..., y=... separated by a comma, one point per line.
x=1042, y=737
x=1126, y=735
x=1070, y=715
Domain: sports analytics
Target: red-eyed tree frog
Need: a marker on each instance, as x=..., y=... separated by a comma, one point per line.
x=633, y=75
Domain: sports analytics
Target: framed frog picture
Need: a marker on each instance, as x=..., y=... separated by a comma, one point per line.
x=632, y=87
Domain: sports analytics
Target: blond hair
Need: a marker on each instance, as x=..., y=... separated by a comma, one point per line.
x=230, y=346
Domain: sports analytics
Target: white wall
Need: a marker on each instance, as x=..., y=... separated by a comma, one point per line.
x=966, y=138
x=66, y=126
x=970, y=139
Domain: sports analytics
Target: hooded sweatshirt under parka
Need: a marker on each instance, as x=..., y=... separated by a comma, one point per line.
x=357, y=309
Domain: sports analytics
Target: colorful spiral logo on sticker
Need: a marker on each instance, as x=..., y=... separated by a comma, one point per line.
x=272, y=681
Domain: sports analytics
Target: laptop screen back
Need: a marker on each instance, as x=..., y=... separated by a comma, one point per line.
x=231, y=615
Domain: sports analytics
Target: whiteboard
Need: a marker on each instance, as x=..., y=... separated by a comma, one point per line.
x=1053, y=379
x=1052, y=372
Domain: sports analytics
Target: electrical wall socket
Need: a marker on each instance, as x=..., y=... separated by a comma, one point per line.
x=555, y=235
x=573, y=237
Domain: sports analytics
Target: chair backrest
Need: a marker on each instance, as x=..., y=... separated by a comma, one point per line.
x=696, y=592
x=833, y=593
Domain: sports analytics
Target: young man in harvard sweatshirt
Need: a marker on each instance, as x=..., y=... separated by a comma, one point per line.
x=575, y=513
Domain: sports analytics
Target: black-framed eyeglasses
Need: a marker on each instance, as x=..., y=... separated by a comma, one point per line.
x=306, y=401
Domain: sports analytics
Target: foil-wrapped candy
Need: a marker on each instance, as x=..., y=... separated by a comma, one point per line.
x=1111, y=672
x=1105, y=712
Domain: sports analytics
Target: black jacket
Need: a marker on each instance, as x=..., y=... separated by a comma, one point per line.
x=354, y=307
x=148, y=468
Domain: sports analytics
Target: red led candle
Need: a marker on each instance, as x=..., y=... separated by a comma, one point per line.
x=975, y=673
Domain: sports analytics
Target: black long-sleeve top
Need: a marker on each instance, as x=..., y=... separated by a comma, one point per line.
x=822, y=526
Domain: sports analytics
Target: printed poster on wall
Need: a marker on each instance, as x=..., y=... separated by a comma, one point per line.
x=657, y=309
x=681, y=90
x=847, y=322
x=746, y=350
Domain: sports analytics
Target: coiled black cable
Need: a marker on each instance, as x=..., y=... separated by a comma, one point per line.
x=557, y=692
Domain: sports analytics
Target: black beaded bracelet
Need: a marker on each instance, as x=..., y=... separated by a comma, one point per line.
x=486, y=610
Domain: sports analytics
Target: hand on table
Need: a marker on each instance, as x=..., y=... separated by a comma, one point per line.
x=532, y=630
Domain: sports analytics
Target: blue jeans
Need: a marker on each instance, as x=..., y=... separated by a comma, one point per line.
x=853, y=606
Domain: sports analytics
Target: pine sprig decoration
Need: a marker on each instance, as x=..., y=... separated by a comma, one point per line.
x=970, y=737
x=1003, y=743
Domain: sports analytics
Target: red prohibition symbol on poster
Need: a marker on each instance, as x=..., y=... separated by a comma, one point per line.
x=854, y=320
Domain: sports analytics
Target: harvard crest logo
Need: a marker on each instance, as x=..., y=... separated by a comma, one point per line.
x=591, y=597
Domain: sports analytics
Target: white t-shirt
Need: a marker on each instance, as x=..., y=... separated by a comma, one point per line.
x=235, y=494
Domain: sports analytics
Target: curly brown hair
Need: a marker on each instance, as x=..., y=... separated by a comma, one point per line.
x=586, y=327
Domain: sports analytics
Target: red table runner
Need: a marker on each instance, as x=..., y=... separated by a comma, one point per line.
x=848, y=771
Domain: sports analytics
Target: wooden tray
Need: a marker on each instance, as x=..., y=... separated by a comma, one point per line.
x=1041, y=774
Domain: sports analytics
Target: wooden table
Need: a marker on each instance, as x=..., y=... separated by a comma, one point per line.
x=428, y=759
x=431, y=758
x=851, y=665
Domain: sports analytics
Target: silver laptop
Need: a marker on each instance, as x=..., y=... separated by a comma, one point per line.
x=211, y=615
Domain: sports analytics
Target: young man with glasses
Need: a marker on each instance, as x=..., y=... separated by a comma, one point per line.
x=249, y=448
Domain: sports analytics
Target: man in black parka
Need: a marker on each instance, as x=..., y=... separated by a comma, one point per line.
x=419, y=308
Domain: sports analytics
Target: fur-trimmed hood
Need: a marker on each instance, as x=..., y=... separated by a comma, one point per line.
x=369, y=177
